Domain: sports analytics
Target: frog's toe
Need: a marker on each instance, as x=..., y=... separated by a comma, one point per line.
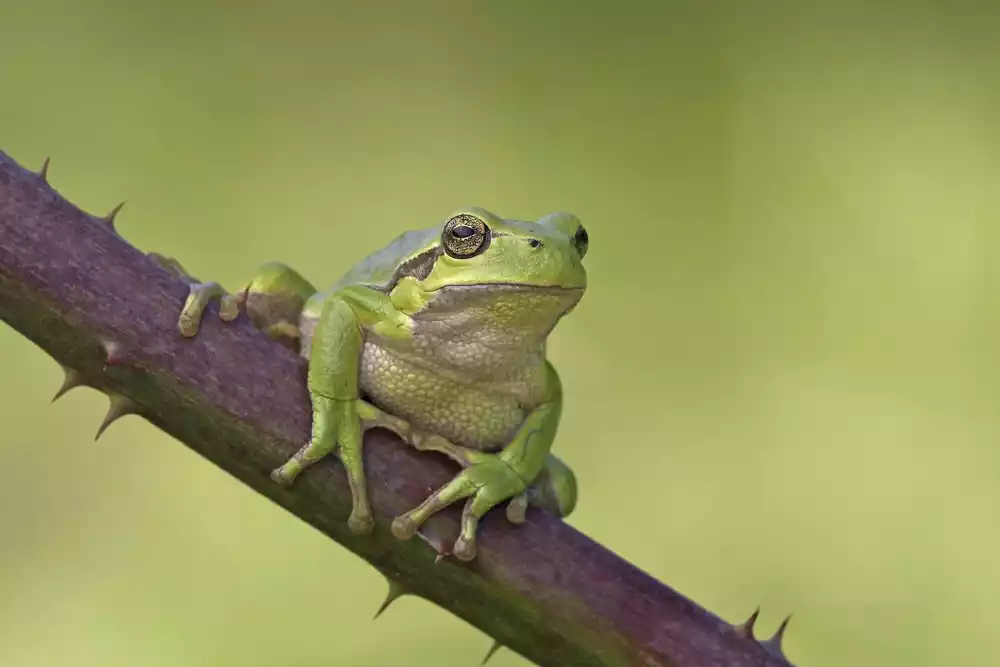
x=475, y=508
x=187, y=326
x=464, y=548
x=229, y=307
x=404, y=527
x=199, y=296
x=285, y=475
x=517, y=508
x=361, y=522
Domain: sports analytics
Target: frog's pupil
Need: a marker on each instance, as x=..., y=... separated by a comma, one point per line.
x=463, y=232
x=581, y=237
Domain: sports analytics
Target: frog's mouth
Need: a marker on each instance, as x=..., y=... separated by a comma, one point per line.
x=512, y=287
x=482, y=291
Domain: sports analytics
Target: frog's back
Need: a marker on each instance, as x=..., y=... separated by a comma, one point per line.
x=378, y=269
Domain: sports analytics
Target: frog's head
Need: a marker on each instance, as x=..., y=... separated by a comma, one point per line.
x=481, y=271
x=479, y=248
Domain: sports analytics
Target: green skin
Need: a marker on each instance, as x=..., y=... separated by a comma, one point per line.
x=439, y=337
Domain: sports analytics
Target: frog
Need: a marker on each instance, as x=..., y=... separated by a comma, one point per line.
x=440, y=337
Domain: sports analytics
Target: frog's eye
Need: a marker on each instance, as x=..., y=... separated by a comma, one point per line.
x=581, y=240
x=465, y=236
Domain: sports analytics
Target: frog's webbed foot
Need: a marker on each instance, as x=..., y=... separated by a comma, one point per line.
x=407, y=525
x=465, y=457
x=485, y=483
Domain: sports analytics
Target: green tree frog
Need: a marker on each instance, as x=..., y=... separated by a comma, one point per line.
x=440, y=337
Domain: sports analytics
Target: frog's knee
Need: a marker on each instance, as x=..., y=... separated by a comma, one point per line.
x=555, y=488
x=275, y=298
x=278, y=278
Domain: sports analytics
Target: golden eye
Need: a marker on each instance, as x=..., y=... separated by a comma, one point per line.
x=465, y=236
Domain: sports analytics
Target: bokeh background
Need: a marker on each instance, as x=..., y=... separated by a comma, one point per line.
x=782, y=383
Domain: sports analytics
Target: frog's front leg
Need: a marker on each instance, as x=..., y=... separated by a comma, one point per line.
x=334, y=360
x=490, y=479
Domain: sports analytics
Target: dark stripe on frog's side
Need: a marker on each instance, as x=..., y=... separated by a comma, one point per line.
x=419, y=267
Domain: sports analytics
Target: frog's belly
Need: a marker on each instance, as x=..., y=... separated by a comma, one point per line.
x=465, y=415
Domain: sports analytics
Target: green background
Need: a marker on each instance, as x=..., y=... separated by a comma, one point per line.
x=781, y=384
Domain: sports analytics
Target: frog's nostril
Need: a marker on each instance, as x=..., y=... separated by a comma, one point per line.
x=534, y=243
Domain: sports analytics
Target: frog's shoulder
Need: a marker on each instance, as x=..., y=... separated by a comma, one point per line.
x=411, y=252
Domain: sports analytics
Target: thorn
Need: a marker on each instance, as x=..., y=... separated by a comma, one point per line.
x=773, y=645
x=113, y=354
x=43, y=173
x=72, y=380
x=109, y=219
x=493, y=649
x=746, y=629
x=396, y=591
x=120, y=406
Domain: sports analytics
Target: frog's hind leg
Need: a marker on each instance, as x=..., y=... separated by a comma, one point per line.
x=273, y=299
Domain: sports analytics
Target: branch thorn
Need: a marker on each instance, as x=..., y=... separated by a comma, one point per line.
x=396, y=591
x=72, y=380
x=109, y=219
x=120, y=407
x=496, y=646
x=745, y=630
x=773, y=645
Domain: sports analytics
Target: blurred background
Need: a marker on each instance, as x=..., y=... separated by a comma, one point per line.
x=784, y=374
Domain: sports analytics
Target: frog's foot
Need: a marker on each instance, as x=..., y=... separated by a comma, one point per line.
x=199, y=296
x=336, y=429
x=486, y=483
x=202, y=294
x=466, y=457
x=478, y=466
x=372, y=416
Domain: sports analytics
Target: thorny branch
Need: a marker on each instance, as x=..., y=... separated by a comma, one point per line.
x=107, y=313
